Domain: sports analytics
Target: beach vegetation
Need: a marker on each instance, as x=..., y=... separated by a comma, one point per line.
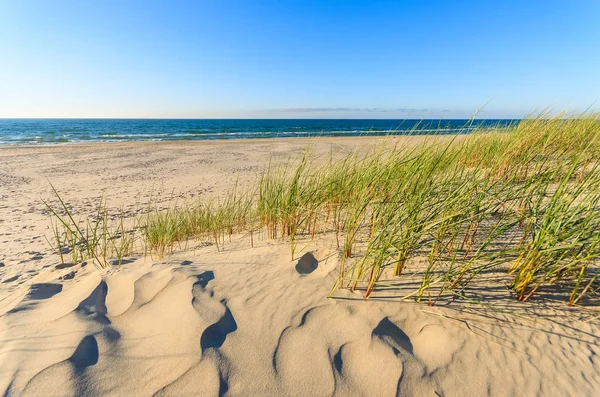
x=519, y=206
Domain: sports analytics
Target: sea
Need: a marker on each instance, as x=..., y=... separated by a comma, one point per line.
x=61, y=131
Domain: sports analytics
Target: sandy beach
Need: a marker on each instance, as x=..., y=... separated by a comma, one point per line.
x=241, y=320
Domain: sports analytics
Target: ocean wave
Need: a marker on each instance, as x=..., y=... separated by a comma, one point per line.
x=41, y=132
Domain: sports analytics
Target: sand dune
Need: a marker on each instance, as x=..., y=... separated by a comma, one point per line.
x=244, y=321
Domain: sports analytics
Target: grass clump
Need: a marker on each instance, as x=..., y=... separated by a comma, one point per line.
x=96, y=238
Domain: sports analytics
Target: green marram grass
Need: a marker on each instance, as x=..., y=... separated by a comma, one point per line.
x=522, y=201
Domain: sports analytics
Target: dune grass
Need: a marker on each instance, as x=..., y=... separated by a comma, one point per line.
x=522, y=201
x=97, y=237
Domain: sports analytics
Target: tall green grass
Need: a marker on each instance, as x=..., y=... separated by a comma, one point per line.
x=97, y=237
x=522, y=202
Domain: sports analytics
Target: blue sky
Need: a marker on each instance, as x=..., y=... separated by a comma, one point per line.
x=287, y=59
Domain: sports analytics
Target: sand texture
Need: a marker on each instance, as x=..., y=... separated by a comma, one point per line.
x=241, y=321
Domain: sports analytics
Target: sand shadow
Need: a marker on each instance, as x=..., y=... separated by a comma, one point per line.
x=11, y=279
x=392, y=335
x=64, y=266
x=204, y=278
x=68, y=276
x=44, y=290
x=115, y=262
x=86, y=354
x=94, y=306
x=214, y=336
x=307, y=264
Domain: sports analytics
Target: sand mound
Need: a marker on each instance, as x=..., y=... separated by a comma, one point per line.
x=244, y=322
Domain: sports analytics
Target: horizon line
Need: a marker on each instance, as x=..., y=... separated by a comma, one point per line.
x=258, y=118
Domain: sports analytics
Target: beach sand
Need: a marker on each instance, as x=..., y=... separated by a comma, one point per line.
x=242, y=321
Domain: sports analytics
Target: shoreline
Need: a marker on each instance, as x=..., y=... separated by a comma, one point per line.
x=214, y=141
x=224, y=140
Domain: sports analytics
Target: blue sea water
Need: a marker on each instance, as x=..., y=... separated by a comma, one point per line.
x=52, y=131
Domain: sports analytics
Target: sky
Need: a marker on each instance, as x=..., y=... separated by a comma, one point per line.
x=297, y=59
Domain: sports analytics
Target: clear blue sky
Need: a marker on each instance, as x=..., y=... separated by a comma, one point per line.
x=353, y=58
